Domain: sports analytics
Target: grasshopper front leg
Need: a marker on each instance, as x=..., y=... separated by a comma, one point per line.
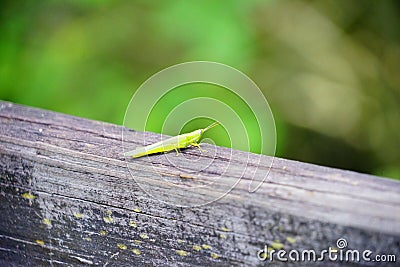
x=197, y=145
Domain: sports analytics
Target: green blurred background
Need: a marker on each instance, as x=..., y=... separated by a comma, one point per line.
x=329, y=69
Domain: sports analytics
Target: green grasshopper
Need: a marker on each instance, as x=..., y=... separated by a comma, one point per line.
x=173, y=143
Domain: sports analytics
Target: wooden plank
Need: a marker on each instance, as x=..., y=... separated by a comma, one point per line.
x=68, y=197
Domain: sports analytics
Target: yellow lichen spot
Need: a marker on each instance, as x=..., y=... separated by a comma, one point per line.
x=108, y=219
x=108, y=212
x=28, y=195
x=136, y=251
x=180, y=241
x=277, y=245
x=264, y=255
x=225, y=229
x=103, y=233
x=222, y=236
x=214, y=256
x=137, y=241
x=47, y=222
x=144, y=236
x=137, y=210
x=291, y=240
x=121, y=246
x=206, y=246
x=40, y=242
x=185, y=176
x=182, y=252
x=197, y=248
x=132, y=223
x=78, y=215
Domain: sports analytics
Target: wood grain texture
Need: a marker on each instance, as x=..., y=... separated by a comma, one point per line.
x=69, y=198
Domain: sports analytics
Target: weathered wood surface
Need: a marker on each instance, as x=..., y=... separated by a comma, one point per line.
x=68, y=199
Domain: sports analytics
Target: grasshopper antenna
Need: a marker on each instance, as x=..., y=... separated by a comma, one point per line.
x=211, y=126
